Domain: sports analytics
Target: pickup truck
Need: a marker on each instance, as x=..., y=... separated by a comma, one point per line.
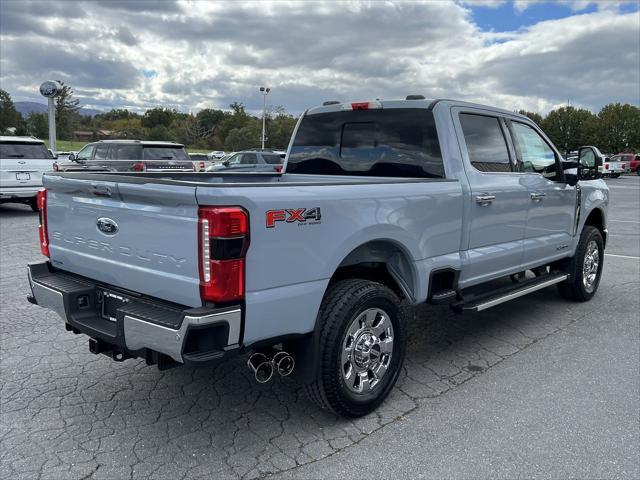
x=383, y=204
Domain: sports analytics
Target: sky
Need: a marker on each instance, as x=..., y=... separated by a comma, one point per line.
x=189, y=55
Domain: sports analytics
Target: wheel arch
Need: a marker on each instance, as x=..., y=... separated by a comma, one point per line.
x=381, y=260
x=596, y=219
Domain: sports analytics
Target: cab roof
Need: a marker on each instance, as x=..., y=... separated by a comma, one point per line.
x=412, y=101
x=150, y=143
x=14, y=139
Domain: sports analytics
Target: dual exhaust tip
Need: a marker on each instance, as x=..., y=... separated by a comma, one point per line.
x=264, y=365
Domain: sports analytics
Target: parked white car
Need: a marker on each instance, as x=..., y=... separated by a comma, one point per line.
x=216, y=154
x=200, y=161
x=23, y=160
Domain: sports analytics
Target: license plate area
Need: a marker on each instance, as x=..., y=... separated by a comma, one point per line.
x=23, y=176
x=109, y=303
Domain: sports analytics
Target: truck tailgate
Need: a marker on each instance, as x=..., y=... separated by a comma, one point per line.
x=140, y=237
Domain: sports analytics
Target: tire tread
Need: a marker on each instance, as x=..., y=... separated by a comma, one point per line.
x=335, y=306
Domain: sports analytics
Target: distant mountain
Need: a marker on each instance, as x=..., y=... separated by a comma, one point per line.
x=25, y=108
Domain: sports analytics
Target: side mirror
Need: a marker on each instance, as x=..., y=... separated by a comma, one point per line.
x=589, y=164
x=226, y=163
x=72, y=157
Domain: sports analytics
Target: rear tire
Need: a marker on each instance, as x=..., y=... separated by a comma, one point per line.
x=362, y=344
x=33, y=203
x=615, y=175
x=585, y=268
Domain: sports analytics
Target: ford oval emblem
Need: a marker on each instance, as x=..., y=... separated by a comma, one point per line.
x=107, y=226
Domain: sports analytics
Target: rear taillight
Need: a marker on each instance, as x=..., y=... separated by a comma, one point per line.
x=606, y=166
x=223, y=241
x=56, y=167
x=42, y=226
x=278, y=168
x=138, y=167
x=202, y=166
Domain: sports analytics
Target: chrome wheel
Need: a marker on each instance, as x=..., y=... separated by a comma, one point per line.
x=366, y=350
x=590, y=266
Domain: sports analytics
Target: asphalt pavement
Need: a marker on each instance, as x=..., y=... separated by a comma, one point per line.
x=538, y=387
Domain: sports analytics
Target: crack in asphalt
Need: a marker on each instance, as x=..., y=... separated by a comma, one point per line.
x=66, y=413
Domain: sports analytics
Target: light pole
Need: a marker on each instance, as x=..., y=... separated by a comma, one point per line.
x=265, y=91
x=51, y=90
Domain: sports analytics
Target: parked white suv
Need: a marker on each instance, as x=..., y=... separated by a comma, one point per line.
x=22, y=162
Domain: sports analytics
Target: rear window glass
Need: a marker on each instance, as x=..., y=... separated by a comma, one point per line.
x=272, y=159
x=34, y=151
x=198, y=156
x=383, y=143
x=164, y=153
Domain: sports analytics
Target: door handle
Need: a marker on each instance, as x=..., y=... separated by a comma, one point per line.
x=101, y=190
x=485, y=199
x=537, y=196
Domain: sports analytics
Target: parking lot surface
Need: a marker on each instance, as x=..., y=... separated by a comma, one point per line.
x=538, y=387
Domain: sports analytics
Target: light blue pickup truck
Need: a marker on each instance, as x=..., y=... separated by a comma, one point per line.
x=383, y=204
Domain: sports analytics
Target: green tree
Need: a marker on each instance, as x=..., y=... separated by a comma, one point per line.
x=279, y=128
x=617, y=128
x=566, y=127
x=115, y=114
x=245, y=137
x=38, y=125
x=536, y=117
x=126, y=127
x=158, y=117
x=208, y=120
x=160, y=132
x=9, y=116
x=67, y=116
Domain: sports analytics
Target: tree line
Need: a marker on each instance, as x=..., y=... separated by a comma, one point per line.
x=233, y=129
x=615, y=128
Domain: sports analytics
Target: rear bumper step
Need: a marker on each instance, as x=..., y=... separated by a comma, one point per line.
x=135, y=326
x=492, y=299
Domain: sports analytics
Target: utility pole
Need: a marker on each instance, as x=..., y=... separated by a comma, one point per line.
x=264, y=91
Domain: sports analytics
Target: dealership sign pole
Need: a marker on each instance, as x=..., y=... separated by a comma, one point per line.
x=50, y=90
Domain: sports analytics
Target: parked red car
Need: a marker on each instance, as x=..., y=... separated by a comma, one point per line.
x=631, y=159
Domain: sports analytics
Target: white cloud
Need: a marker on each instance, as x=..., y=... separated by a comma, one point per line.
x=212, y=53
x=575, y=5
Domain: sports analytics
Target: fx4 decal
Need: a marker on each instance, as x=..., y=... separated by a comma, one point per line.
x=304, y=216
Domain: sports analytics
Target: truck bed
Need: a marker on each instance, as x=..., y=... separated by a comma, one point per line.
x=418, y=222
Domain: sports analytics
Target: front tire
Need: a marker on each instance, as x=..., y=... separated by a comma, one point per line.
x=585, y=267
x=362, y=345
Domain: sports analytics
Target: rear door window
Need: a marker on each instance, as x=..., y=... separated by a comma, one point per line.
x=249, y=159
x=383, y=143
x=101, y=151
x=486, y=145
x=27, y=151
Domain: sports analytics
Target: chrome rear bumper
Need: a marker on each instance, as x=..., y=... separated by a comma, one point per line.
x=195, y=336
